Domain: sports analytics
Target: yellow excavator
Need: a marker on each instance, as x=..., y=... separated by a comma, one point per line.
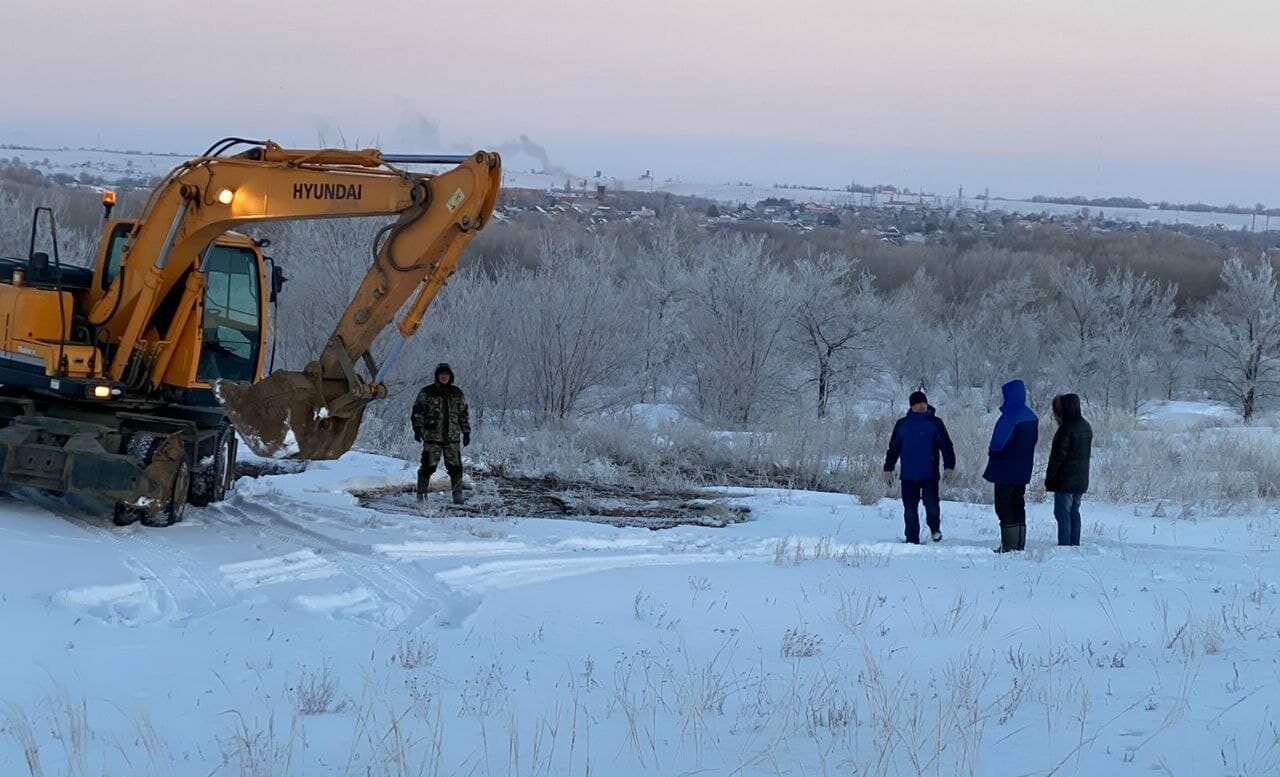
x=127, y=381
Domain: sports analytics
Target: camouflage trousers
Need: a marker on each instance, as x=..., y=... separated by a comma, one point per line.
x=432, y=452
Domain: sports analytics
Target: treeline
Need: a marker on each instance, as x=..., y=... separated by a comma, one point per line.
x=744, y=333
x=1135, y=202
x=551, y=321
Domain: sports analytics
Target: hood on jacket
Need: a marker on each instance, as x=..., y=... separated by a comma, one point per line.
x=1067, y=406
x=443, y=368
x=1015, y=395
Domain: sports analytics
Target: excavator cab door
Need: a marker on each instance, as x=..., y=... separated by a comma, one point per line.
x=232, y=331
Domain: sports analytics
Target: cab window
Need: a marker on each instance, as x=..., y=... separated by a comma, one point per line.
x=115, y=253
x=231, y=315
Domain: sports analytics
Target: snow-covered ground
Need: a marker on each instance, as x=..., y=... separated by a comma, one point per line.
x=1177, y=415
x=288, y=631
x=101, y=163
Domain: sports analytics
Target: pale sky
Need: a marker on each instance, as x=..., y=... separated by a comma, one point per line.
x=1176, y=99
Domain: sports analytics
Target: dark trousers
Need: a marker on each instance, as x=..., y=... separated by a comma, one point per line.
x=1066, y=509
x=431, y=454
x=1011, y=505
x=912, y=492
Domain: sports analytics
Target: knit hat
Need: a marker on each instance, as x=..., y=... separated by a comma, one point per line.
x=917, y=398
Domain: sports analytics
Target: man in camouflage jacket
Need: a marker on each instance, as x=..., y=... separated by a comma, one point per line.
x=440, y=422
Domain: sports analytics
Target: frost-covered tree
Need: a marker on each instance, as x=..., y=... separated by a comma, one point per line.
x=573, y=327
x=736, y=308
x=1106, y=338
x=656, y=280
x=1136, y=337
x=918, y=336
x=325, y=261
x=1005, y=329
x=1239, y=332
x=838, y=323
x=1077, y=319
x=469, y=326
x=76, y=241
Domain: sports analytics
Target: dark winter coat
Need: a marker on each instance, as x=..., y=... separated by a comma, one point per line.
x=1068, y=471
x=440, y=415
x=1012, y=452
x=920, y=440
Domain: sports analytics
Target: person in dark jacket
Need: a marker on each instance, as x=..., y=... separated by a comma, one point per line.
x=440, y=422
x=1068, y=473
x=1010, y=459
x=919, y=441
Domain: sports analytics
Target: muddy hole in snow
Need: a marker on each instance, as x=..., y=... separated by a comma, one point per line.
x=257, y=467
x=548, y=497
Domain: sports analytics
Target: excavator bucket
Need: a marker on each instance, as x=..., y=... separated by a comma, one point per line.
x=285, y=416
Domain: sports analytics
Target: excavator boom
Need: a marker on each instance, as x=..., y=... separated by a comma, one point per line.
x=314, y=413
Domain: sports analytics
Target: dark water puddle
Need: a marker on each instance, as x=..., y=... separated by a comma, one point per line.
x=523, y=497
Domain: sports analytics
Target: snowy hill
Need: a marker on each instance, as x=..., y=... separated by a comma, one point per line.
x=291, y=631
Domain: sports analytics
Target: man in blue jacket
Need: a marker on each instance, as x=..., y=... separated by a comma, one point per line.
x=919, y=440
x=1011, y=457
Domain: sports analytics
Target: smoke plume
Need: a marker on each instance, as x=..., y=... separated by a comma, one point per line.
x=526, y=146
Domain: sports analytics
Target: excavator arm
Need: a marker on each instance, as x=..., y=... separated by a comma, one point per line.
x=314, y=413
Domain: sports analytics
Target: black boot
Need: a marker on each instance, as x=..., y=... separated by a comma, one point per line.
x=1022, y=537
x=1009, y=538
x=455, y=482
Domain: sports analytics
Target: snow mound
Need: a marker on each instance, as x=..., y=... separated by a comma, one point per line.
x=1179, y=415
x=654, y=416
x=124, y=604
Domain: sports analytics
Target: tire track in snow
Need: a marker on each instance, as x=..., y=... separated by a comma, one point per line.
x=291, y=567
x=500, y=575
x=401, y=600
x=177, y=583
x=413, y=550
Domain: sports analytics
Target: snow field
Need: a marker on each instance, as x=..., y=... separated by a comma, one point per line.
x=288, y=631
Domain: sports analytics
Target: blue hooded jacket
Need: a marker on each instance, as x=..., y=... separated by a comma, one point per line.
x=1013, y=442
x=920, y=439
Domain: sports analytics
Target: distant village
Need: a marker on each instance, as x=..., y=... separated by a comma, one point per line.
x=893, y=221
x=888, y=214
